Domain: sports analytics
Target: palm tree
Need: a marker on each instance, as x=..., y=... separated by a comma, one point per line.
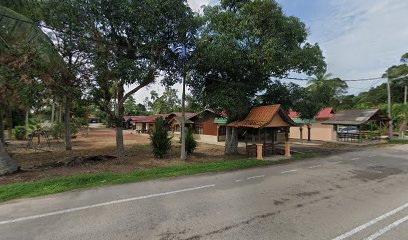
x=18, y=30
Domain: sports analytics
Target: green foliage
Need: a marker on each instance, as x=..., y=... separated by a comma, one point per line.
x=159, y=139
x=20, y=132
x=288, y=95
x=134, y=109
x=191, y=143
x=166, y=103
x=242, y=45
x=57, y=131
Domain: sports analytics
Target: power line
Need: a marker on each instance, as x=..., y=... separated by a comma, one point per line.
x=345, y=80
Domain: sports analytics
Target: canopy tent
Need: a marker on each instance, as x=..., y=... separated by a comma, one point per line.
x=265, y=122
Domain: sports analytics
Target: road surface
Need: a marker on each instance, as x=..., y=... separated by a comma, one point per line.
x=355, y=195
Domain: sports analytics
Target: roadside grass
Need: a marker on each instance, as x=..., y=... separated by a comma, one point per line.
x=63, y=184
x=398, y=141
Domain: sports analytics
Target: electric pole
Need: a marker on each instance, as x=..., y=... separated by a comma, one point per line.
x=183, y=55
x=390, y=127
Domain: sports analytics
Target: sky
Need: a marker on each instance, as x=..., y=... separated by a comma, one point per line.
x=359, y=38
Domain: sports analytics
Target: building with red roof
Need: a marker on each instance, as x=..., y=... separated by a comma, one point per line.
x=318, y=131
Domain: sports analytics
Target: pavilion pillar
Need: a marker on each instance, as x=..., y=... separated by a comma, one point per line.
x=259, y=147
x=287, y=144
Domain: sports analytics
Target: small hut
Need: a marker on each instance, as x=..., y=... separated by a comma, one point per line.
x=355, y=124
x=262, y=127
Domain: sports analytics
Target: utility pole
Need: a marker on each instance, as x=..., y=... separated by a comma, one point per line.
x=183, y=55
x=405, y=115
x=390, y=127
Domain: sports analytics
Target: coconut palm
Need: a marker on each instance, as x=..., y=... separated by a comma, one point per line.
x=17, y=32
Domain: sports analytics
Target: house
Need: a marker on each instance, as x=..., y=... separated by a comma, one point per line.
x=142, y=124
x=264, y=127
x=209, y=126
x=318, y=131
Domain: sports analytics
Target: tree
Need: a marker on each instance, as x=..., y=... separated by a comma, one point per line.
x=27, y=58
x=242, y=45
x=67, y=35
x=134, y=109
x=134, y=45
x=166, y=103
x=287, y=95
x=336, y=87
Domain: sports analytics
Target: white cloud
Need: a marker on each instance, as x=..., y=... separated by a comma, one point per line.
x=362, y=38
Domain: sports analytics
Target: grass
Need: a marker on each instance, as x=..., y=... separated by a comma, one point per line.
x=398, y=141
x=63, y=184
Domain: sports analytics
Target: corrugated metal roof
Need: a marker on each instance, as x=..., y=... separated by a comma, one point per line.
x=356, y=117
x=262, y=116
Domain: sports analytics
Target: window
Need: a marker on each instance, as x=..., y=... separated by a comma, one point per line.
x=198, y=128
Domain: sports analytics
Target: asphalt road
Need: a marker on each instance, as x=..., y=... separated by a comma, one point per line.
x=355, y=195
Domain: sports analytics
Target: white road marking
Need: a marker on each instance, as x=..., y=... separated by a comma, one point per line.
x=372, y=156
x=260, y=176
x=289, y=171
x=102, y=204
x=238, y=180
x=316, y=166
x=372, y=222
x=387, y=228
x=354, y=159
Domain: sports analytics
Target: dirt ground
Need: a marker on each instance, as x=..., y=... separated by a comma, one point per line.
x=45, y=162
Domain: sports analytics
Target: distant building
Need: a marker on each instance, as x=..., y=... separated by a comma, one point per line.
x=318, y=131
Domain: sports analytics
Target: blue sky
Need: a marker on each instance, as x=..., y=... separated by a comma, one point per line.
x=359, y=38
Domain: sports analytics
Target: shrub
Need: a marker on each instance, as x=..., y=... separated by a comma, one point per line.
x=20, y=132
x=57, y=131
x=159, y=139
x=191, y=143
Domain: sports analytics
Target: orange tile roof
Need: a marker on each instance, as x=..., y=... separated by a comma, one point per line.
x=263, y=116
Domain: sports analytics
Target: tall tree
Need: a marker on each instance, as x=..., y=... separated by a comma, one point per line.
x=242, y=45
x=134, y=109
x=336, y=87
x=65, y=18
x=135, y=40
x=166, y=103
x=27, y=57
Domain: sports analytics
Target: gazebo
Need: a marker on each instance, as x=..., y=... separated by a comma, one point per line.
x=263, y=126
x=349, y=124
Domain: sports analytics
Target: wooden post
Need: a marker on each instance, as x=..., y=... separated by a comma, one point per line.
x=287, y=144
x=259, y=151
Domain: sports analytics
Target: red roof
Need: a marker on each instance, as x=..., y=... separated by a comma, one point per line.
x=324, y=114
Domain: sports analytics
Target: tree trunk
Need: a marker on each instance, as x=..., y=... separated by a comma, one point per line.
x=7, y=164
x=9, y=123
x=1, y=124
x=231, y=141
x=228, y=132
x=120, y=147
x=27, y=113
x=67, y=124
x=53, y=112
x=308, y=132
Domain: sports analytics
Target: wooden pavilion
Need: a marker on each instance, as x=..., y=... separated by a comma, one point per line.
x=262, y=127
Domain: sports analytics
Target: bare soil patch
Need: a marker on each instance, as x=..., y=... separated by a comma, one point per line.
x=94, y=151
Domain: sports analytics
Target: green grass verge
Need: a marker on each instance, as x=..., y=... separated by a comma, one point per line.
x=63, y=184
x=398, y=141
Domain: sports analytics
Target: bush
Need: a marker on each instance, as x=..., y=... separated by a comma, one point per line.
x=191, y=143
x=159, y=139
x=20, y=132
